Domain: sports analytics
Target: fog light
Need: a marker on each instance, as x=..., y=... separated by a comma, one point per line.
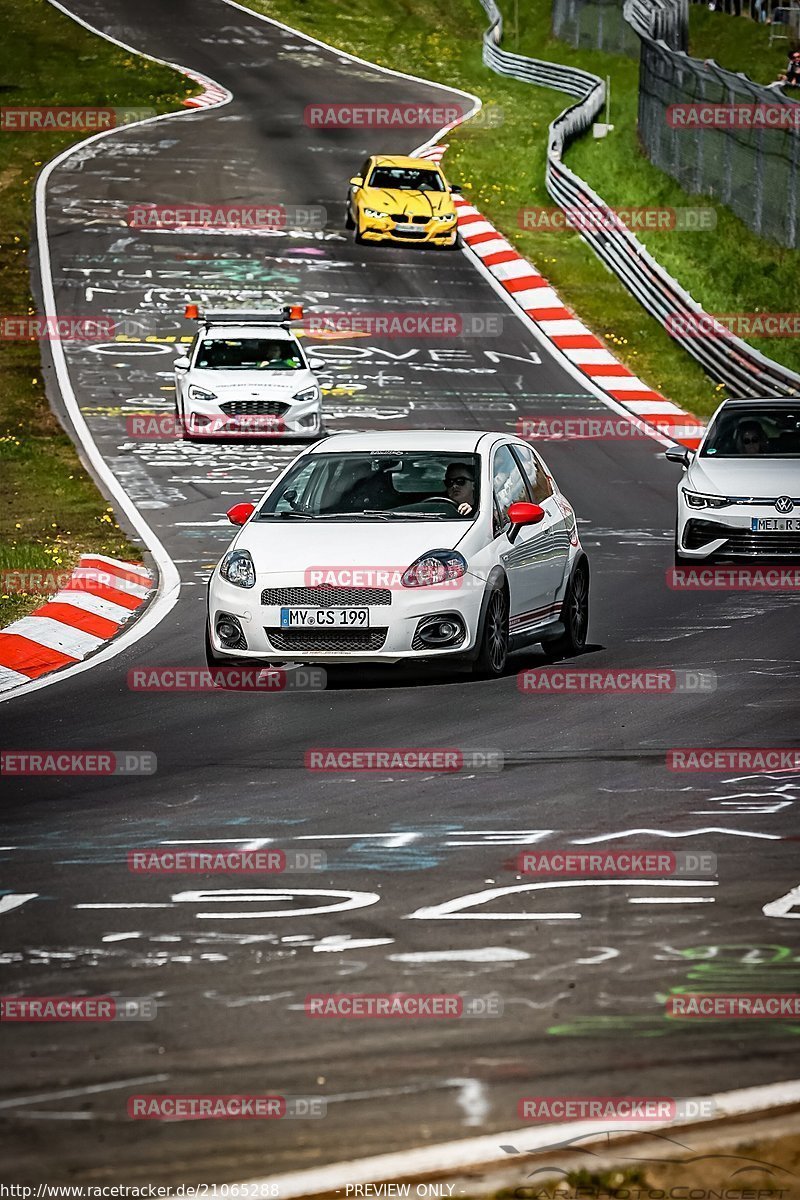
x=230, y=632
x=439, y=631
x=201, y=419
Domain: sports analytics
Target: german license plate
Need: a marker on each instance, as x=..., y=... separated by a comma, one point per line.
x=775, y=524
x=327, y=618
x=405, y=228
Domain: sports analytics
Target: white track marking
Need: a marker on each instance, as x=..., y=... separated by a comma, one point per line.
x=488, y=954
x=9, y=903
x=89, y=1090
x=782, y=907
x=668, y=833
x=453, y=909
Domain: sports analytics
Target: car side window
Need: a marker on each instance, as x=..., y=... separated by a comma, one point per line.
x=508, y=485
x=535, y=473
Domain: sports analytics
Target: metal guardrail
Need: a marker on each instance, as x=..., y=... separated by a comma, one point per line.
x=743, y=370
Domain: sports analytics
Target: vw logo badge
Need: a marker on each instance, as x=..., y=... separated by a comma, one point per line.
x=784, y=504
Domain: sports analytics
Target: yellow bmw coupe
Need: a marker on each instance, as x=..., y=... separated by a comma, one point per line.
x=398, y=199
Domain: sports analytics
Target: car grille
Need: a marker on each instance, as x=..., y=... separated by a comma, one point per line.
x=298, y=640
x=241, y=408
x=740, y=541
x=406, y=220
x=409, y=233
x=327, y=597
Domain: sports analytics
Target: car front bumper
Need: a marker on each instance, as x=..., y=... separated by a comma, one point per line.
x=392, y=634
x=385, y=229
x=206, y=419
x=728, y=532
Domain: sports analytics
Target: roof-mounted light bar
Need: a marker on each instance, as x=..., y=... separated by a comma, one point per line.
x=244, y=316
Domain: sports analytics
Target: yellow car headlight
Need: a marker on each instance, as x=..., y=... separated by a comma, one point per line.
x=373, y=212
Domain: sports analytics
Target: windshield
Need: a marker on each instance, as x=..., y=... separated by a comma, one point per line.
x=407, y=486
x=406, y=179
x=757, y=431
x=248, y=354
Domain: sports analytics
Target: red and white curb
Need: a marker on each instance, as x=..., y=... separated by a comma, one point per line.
x=101, y=595
x=539, y=301
x=211, y=95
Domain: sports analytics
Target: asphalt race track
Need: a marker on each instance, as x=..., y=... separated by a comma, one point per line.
x=582, y=992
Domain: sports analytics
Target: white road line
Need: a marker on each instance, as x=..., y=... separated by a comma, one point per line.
x=89, y=1090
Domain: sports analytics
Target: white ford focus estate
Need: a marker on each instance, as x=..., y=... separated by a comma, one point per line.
x=390, y=546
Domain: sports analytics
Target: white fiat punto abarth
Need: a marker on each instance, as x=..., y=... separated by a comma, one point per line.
x=389, y=546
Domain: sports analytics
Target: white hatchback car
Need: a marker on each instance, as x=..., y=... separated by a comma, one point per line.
x=740, y=493
x=383, y=547
x=246, y=375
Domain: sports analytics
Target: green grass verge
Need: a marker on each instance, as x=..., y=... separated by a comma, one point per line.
x=737, y=44
x=50, y=510
x=728, y=270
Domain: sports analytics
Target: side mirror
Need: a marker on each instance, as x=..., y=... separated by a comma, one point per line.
x=241, y=513
x=181, y=363
x=522, y=513
x=679, y=454
x=357, y=181
x=455, y=187
x=316, y=364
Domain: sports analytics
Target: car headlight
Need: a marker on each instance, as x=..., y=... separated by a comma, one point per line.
x=373, y=212
x=238, y=568
x=309, y=393
x=699, y=500
x=437, y=566
x=198, y=393
x=445, y=216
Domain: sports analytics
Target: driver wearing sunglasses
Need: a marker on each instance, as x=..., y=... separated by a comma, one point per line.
x=459, y=483
x=750, y=438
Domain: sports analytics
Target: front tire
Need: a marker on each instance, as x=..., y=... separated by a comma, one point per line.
x=349, y=223
x=574, y=616
x=493, y=653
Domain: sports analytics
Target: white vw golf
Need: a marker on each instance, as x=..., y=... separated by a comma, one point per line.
x=740, y=493
x=392, y=546
x=246, y=375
